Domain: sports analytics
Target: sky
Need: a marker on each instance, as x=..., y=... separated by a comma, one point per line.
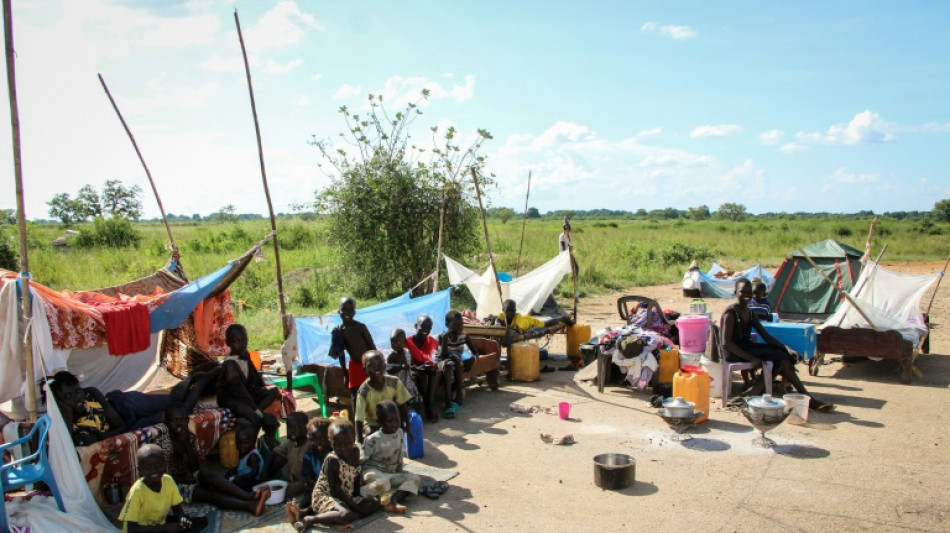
x=780, y=106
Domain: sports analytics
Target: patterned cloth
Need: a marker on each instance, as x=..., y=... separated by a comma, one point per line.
x=177, y=464
x=322, y=499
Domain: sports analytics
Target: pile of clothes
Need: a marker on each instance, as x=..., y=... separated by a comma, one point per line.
x=635, y=351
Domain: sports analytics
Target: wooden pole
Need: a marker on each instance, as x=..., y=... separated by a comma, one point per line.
x=270, y=206
x=438, y=246
x=934, y=295
x=491, y=259
x=868, y=243
x=26, y=300
x=837, y=288
x=574, y=278
x=138, y=152
x=859, y=288
x=524, y=221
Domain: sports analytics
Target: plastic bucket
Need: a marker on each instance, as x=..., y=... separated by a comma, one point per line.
x=694, y=332
x=714, y=370
x=278, y=488
x=799, y=407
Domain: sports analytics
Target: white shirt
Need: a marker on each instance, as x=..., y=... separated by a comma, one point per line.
x=691, y=280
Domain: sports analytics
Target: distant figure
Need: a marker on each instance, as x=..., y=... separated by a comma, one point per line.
x=564, y=241
x=692, y=282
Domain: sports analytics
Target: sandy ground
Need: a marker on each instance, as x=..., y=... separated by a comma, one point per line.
x=879, y=463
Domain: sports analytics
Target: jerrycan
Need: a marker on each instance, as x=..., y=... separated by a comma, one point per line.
x=692, y=383
x=414, y=448
x=524, y=361
x=576, y=335
x=669, y=364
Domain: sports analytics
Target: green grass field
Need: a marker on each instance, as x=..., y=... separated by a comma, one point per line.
x=613, y=254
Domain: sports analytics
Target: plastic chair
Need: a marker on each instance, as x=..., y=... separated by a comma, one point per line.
x=624, y=307
x=306, y=379
x=30, y=469
x=716, y=351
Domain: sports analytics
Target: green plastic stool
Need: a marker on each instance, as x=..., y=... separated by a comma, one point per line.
x=306, y=379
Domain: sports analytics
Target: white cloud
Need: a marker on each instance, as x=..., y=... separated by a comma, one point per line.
x=272, y=67
x=397, y=91
x=316, y=77
x=867, y=127
x=719, y=130
x=771, y=137
x=652, y=132
x=300, y=101
x=672, y=31
x=231, y=63
x=283, y=25
x=347, y=91
x=931, y=127
x=562, y=133
x=793, y=148
x=843, y=175
x=183, y=97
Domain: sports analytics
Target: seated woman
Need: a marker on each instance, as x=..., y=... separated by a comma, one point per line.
x=241, y=387
x=737, y=323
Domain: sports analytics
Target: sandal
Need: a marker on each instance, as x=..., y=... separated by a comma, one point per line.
x=548, y=369
x=429, y=492
x=450, y=412
x=820, y=407
x=440, y=487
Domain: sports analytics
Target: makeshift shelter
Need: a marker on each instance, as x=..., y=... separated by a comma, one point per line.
x=800, y=289
x=530, y=291
x=724, y=287
x=81, y=331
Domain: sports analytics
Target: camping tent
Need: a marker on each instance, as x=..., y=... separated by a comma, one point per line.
x=714, y=287
x=800, y=289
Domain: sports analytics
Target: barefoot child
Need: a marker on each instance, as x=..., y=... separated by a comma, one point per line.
x=241, y=387
x=351, y=337
x=248, y=471
x=153, y=497
x=286, y=461
x=318, y=430
x=382, y=462
x=397, y=364
x=423, y=347
x=181, y=454
x=451, y=345
x=378, y=387
x=336, y=497
x=269, y=440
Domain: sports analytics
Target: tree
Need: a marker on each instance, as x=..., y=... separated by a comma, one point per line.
x=8, y=216
x=533, y=212
x=731, y=211
x=942, y=210
x=64, y=208
x=87, y=203
x=386, y=194
x=699, y=213
x=122, y=201
x=227, y=213
x=505, y=214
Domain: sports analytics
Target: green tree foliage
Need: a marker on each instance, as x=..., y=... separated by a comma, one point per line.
x=8, y=253
x=731, y=211
x=505, y=214
x=115, y=232
x=116, y=200
x=533, y=212
x=942, y=210
x=699, y=213
x=386, y=194
x=122, y=201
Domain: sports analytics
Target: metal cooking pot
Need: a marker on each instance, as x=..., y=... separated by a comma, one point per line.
x=678, y=408
x=614, y=471
x=766, y=405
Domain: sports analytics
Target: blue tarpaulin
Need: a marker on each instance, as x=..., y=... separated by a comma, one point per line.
x=183, y=301
x=313, y=332
x=725, y=288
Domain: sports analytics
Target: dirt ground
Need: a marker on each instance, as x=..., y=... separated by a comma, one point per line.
x=879, y=463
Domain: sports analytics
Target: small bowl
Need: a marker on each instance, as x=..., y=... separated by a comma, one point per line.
x=278, y=488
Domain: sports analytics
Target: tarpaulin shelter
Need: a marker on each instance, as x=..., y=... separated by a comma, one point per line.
x=800, y=289
x=715, y=287
x=69, y=329
x=313, y=332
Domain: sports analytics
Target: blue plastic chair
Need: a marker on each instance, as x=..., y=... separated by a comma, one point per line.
x=30, y=469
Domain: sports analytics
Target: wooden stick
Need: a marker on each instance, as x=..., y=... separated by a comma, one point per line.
x=859, y=288
x=270, y=206
x=574, y=278
x=934, y=295
x=438, y=247
x=26, y=299
x=138, y=152
x=491, y=259
x=524, y=221
x=837, y=288
x=868, y=243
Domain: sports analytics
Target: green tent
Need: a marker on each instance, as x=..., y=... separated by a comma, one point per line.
x=799, y=289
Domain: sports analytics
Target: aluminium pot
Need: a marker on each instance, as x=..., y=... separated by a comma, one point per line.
x=766, y=405
x=678, y=407
x=614, y=471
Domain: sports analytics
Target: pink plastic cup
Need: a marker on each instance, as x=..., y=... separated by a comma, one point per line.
x=564, y=410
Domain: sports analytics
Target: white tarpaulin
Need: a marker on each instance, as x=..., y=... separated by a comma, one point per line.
x=529, y=291
x=890, y=299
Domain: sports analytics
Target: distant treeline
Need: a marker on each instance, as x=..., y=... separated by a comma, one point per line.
x=699, y=213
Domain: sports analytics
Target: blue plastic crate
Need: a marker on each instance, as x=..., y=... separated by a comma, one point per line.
x=803, y=338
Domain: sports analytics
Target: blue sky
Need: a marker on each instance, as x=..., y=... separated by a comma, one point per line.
x=807, y=106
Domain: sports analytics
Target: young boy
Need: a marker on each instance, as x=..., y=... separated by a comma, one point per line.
x=269, y=439
x=287, y=458
x=248, y=471
x=397, y=364
x=378, y=387
x=181, y=456
x=760, y=304
x=451, y=345
x=241, y=387
x=422, y=347
x=351, y=337
x=382, y=461
x=319, y=431
x=153, y=497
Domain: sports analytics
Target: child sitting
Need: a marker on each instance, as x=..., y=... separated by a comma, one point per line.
x=181, y=455
x=336, y=497
x=250, y=465
x=759, y=304
x=423, y=347
x=241, y=387
x=451, y=345
x=379, y=387
x=153, y=497
x=319, y=431
x=397, y=364
x=382, y=461
x=287, y=459
x=269, y=441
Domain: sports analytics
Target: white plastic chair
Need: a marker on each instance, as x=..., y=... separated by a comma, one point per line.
x=728, y=368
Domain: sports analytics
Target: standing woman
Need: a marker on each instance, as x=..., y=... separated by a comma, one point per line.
x=737, y=323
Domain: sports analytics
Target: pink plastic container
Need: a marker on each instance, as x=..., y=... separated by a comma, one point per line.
x=694, y=332
x=564, y=410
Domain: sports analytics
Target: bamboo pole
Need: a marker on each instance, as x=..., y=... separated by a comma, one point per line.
x=841, y=291
x=138, y=152
x=868, y=243
x=491, y=258
x=270, y=206
x=26, y=299
x=934, y=295
x=438, y=246
x=524, y=222
x=574, y=278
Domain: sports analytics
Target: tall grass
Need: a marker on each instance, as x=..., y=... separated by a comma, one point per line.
x=612, y=254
